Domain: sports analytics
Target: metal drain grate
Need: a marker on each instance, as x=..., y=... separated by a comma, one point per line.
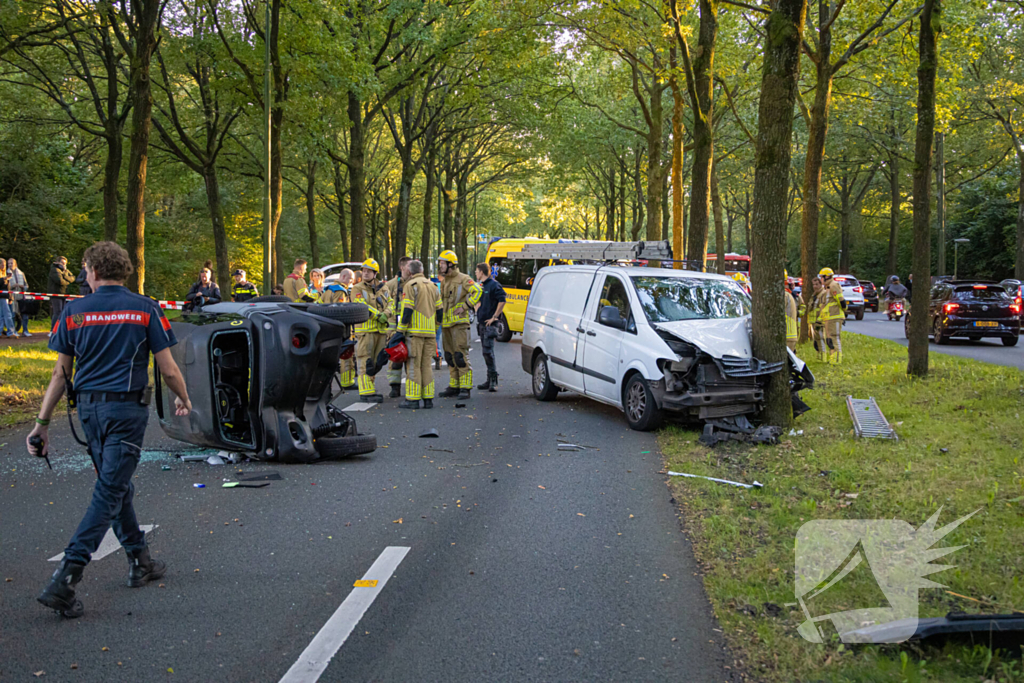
x=868, y=421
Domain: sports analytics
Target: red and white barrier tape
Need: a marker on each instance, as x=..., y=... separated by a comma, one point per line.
x=42, y=296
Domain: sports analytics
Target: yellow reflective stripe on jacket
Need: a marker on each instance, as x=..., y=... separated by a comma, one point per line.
x=358, y=295
x=790, y=316
x=467, y=293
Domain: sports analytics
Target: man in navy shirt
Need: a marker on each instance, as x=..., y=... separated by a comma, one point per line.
x=488, y=313
x=108, y=336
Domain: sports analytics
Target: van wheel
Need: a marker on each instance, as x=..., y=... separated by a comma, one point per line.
x=504, y=331
x=1010, y=341
x=642, y=412
x=543, y=388
x=860, y=314
x=331, y=447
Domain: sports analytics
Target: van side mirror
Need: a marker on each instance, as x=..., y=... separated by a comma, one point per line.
x=610, y=317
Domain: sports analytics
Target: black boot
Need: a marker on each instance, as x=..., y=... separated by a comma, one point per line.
x=60, y=593
x=410, y=404
x=371, y=398
x=492, y=381
x=396, y=391
x=463, y=393
x=486, y=384
x=428, y=403
x=450, y=392
x=142, y=568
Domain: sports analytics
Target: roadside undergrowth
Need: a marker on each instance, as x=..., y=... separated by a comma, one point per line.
x=959, y=449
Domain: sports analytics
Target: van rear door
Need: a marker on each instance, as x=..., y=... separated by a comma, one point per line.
x=557, y=304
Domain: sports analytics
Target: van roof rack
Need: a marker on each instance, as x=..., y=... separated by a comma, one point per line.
x=596, y=251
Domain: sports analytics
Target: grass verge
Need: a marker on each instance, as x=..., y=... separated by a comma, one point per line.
x=959, y=449
x=25, y=372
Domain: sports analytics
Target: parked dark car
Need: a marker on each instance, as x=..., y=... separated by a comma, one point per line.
x=261, y=377
x=973, y=309
x=870, y=295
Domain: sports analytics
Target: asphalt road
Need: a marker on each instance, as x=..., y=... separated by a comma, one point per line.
x=987, y=350
x=524, y=563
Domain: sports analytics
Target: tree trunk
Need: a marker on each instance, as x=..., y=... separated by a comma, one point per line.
x=449, y=210
x=314, y=242
x=1018, y=269
x=144, y=43
x=111, y=178
x=389, y=247
x=654, y=174
x=813, y=161
x=781, y=73
x=746, y=223
x=730, y=217
x=928, y=55
x=340, y=192
x=703, y=134
x=845, y=224
x=940, y=201
x=677, y=175
x=666, y=233
x=460, y=219
x=401, y=231
x=610, y=211
x=894, y=213
x=220, y=238
x=357, y=177
x=716, y=206
x=276, y=188
x=428, y=200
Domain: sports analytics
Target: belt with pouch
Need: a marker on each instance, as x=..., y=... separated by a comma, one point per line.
x=141, y=396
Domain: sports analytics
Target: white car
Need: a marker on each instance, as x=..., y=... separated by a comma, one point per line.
x=648, y=340
x=853, y=292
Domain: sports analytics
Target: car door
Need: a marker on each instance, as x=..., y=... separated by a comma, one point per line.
x=603, y=344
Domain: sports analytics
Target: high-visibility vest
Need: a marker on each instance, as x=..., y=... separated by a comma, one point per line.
x=832, y=302
x=421, y=301
x=459, y=293
x=791, y=334
x=363, y=293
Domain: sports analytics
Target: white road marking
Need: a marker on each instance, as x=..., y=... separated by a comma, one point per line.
x=314, y=659
x=108, y=545
x=357, y=407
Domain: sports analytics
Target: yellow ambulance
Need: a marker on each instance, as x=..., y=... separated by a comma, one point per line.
x=516, y=278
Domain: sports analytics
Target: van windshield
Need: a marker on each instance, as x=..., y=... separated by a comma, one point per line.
x=667, y=299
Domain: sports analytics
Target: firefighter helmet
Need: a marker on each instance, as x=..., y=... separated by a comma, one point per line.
x=826, y=272
x=371, y=264
x=449, y=256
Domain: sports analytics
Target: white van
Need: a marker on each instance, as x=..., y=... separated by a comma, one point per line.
x=646, y=340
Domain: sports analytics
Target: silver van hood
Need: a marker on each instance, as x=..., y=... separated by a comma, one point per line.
x=717, y=338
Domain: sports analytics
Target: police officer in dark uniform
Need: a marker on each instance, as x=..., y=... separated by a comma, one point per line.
x=108, y=336
x=242, y=290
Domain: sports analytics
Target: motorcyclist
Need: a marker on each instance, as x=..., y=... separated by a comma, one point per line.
x=896, y=292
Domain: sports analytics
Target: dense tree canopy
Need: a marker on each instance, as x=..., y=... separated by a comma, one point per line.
x=411, y=126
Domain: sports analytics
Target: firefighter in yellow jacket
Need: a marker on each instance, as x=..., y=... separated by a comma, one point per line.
x=791, y=326
x=421, y=312
x=832, y=313
x=338, y=293
x=371, y=336
x=394, y=287
x=459, y=293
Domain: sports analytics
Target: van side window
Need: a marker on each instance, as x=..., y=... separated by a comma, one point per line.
x=504, y=271
x=614, y=294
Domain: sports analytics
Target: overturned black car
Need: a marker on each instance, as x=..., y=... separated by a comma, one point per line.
x=261, y=377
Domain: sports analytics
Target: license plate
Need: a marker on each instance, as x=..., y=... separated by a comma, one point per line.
x=985, y=323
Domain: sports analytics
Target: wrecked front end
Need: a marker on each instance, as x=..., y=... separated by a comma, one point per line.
x=724, y=390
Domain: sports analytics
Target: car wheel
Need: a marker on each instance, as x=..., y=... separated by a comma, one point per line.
x=860, y=314
x=1010, y=341
x=642, y=412
x=332, y=447
x=504, y=331
x=353, y=314
x=937, y=333
x=543, y=388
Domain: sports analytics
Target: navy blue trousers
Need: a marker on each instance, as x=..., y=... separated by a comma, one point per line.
x=114, y=432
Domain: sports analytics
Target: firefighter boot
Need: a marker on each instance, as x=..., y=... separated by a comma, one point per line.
x=60, y=593
x=396, y=391
x=410, y=404
x=372, y=398
x=428, y=403
x=463, y=393
x=143, y=569
x=450, y=392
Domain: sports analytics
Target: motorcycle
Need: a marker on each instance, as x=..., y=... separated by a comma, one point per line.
x=894, y=309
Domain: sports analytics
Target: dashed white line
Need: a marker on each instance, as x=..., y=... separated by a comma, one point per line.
x=108, y=545
x=314, y=659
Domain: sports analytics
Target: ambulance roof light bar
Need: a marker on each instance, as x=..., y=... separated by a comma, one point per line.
x=596, y=251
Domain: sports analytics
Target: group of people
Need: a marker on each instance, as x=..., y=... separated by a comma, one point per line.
x=14, y=313
x=825, y=311
x=413, y=320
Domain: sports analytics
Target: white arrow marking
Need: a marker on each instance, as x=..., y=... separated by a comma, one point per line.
x=108, y=545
